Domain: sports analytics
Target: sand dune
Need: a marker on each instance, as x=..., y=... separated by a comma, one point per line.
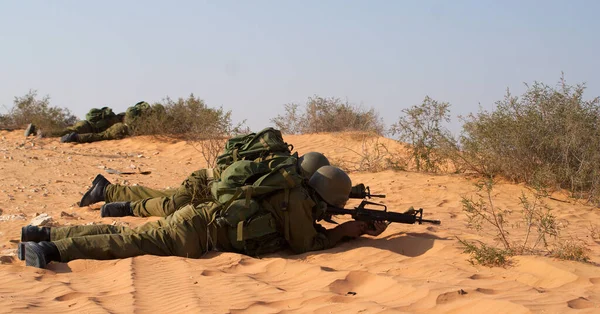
x=407, y=269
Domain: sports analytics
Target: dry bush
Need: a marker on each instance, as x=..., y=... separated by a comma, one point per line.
x=548, y=136
x=29, y=109
x=373, y=156
x=542, y=232
x=327, y=115
x=430, y=143
x=572, y=250
x=188, y=118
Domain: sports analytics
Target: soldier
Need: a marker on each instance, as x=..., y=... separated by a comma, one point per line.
x=286, y=219
x=143, y=202
x=118, y=130
x=115, y=132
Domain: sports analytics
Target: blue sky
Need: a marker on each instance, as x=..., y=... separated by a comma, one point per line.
x=252, y=57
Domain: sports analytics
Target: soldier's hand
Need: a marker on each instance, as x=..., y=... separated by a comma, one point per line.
x=353, y=229
x=376, y=228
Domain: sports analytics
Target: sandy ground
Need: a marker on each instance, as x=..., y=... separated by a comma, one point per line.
x=407, y=269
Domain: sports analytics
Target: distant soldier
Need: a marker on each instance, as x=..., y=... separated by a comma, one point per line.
x=96, y=121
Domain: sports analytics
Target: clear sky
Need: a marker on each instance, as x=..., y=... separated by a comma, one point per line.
x=252, y=57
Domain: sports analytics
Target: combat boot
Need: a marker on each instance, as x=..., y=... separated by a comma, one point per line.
x=71, y=137
x=30, y=130
x=96, y=193
x=39, y=254
x=35, y=234
x=116, y=209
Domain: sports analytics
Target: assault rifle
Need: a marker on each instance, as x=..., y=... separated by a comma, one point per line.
x=362, y=213
x=362, y=191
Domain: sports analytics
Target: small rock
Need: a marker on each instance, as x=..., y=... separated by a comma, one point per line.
x=41, y=220
x=6, y=259
x=140, y=156
x=12, y=217
x=66, y=215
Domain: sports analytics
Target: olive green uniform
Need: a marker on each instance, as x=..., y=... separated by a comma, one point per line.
x=85, y=126
x=189, y=233
x=115, y=132
x=149, y=202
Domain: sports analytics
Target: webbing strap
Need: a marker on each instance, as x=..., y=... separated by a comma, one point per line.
x=288, y=178
x=263, y=142
x=249, y=190
x=210, y=174
x=234, y=154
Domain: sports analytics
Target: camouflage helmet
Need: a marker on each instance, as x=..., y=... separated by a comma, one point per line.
x=332, y=184
x=310, y=162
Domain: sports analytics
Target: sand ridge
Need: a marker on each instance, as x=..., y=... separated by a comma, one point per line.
x=407, y=269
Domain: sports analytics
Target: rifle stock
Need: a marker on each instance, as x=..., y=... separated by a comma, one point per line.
x=362, y=213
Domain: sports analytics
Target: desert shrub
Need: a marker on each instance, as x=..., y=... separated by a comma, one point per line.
x=421, y=127
x=327, y=115
x=29, y=109
x=548, y=136
x=538, y=224
x=189, y=118
x=373, y=156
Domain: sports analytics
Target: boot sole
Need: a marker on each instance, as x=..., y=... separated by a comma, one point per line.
x=34, y=256
x=21, y=251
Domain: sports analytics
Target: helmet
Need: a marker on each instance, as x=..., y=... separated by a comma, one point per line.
x=332, y=184
x=310, y=162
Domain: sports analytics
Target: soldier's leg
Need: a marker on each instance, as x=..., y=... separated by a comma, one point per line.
x=123, y=193
x=115, y=132
x=193, y=190
x=161, y=206
x=82, y=126
x=182, y=234
x=59, y=233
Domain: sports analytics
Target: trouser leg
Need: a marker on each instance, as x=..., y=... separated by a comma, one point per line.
x=123, y=193
x=182, y=234
x=194, y=190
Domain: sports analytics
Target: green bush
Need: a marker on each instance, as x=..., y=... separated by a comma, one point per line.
x=327, y=115
x=548, y=137
x=188, y=118
x=29, y=109
x=421, y=128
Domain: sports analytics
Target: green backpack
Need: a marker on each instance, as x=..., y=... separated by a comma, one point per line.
x=95, y=114
x=263, y=145
x=252, y=229
x=137, y=110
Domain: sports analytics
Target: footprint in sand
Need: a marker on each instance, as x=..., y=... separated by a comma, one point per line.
x=486, y=291
x=70, y=296
x=580, y=303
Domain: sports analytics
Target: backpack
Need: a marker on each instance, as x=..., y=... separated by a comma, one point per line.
x=252, y=229
x=137, y=110
x=95, y=114
x=263, y=145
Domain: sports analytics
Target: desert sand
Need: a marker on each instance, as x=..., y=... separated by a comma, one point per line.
x=407, y=269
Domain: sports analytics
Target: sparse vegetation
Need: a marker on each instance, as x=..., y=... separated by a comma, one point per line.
x=421, y=128
x=539, y=226
x=548, y=137
x=30, y=109
x=374, y=156
x=327, y=115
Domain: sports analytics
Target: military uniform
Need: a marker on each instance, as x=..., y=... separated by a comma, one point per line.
x=192, y=231
x=116, y=131
x=147, y=202
x=85, y=126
